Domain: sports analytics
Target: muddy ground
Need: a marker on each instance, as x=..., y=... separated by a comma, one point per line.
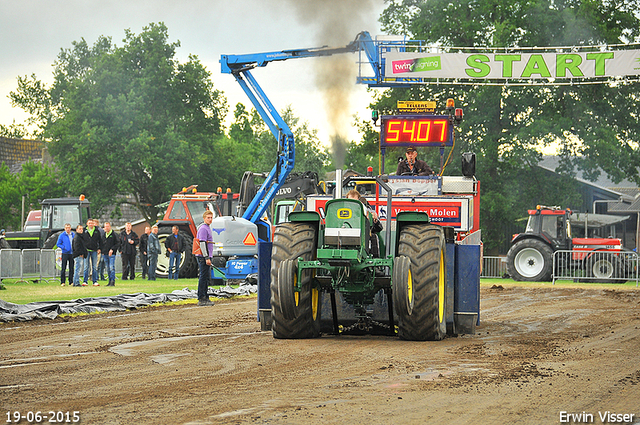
x=539, y=352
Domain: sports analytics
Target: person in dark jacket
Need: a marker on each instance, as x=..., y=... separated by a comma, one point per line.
x=65, y=243
x=79, y=255
x=144, y=255
x=93, y=242
x=110, y=246
x=412, y=166
x=153, y=250
x=175, y=247
x=129, y=240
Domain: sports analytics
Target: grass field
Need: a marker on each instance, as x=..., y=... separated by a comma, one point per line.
x=26, y=292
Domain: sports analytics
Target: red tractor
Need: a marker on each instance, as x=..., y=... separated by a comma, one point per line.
x=530, y=257
x=185, y=211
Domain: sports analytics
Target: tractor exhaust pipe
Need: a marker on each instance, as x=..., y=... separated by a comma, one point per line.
x=337, y=193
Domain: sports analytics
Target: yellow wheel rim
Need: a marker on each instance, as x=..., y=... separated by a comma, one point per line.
x=296, y=294
x=441, y=283
x=410, y=287
x=314, y=302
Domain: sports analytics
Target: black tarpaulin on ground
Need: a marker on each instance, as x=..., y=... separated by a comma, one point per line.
x=10, y=312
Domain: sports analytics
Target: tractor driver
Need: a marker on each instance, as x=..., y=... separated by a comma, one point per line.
x=412, y=166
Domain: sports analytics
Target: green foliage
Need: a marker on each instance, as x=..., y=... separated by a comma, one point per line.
x=129, y=120
x=254, y=146
x=9, y=199
x=595, y=125
x=35, y=182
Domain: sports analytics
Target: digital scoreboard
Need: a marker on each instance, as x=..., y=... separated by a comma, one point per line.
x=423, y=130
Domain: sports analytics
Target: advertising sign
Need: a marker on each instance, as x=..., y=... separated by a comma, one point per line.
x=454, y=211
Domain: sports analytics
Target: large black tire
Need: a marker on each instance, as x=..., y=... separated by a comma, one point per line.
x=188, y=262
x=4, y=244
x=419, y=298
x=604, y=267
x=293, y=317
x=51, y=241
x=530, y=260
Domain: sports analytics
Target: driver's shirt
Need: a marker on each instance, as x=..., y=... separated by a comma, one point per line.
x=420, y=168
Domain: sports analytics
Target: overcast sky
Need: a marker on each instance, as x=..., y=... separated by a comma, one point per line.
x=32, y=32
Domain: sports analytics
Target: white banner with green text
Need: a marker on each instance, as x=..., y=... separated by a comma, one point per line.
x=517, y=66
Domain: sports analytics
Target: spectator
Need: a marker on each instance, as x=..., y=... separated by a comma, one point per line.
x=143, y=251
x=65, y=243
x=93, y=242
x=110, y=246
x=129, y=240
x=153, y=249
x=175, y=247
x=79, y=255
x=412, y=166
x=101, y=276
x=205, y=236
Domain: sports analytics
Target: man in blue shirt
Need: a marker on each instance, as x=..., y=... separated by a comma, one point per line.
x=65, y=243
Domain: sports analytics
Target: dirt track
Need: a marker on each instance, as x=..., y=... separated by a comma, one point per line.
x=538, y=352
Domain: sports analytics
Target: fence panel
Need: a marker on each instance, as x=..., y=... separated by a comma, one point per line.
x=10, y=263
x=494, y=267
x=595, y=266
x=30, y=264
x=49, y=265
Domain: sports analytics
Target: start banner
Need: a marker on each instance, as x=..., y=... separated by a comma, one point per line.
x=516, y=66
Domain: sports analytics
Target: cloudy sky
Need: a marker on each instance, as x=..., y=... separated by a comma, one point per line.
x=32, y=32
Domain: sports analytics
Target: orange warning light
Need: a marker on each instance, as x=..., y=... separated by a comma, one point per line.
x=249, y=239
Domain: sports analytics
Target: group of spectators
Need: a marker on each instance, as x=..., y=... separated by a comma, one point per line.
x=91, y=250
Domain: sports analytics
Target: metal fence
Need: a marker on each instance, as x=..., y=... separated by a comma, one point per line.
x=494, y=267
x=29, y=264
x=40, y=264
x=595, y=266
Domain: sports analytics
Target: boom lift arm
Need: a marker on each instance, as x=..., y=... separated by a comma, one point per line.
x=240, y=67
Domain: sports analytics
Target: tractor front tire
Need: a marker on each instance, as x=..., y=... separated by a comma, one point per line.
x=419, y=286
x=295, y=315
x=530, y=260
x=51, y=241
x=188, y=261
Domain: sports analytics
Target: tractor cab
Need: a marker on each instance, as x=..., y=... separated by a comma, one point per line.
x=551, y=224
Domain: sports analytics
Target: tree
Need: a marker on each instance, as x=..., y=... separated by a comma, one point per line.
x=129, y=120
x=252, y=137
x=36, y=181
x=9, y=199
x=507, y=126
x=39, y=181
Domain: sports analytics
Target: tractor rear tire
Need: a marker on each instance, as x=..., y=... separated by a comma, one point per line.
x=188, y=262
x=530, y=260
x=421, y=314
x=294, y=317
x=605, y=268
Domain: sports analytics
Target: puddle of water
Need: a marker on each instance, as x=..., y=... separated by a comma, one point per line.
x=131, y=348
x=167, y=358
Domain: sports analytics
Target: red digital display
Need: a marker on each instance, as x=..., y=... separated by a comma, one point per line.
x=398, y=130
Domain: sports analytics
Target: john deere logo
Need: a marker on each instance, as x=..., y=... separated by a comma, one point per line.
x=344, y=213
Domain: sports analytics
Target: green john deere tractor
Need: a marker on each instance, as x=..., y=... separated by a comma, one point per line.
x=310, y=258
